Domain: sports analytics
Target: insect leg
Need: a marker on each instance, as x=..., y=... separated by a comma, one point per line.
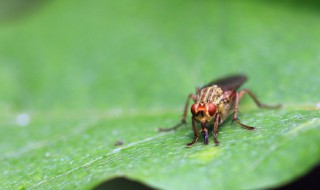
x=255, y=99
x=205, y=133
x=184, y=116
x=215, y=129
x=235, y=114
x=195, y=131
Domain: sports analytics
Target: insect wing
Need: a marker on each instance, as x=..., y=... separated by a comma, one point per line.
x=228, y=83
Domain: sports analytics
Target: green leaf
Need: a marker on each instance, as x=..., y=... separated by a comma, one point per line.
x=78, y=78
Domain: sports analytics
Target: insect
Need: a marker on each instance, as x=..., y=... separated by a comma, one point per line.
x=212, y=105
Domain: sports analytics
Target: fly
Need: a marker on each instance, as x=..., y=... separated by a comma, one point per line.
x=212, y=105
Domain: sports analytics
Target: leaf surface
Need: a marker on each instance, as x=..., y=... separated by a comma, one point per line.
x=78, y=80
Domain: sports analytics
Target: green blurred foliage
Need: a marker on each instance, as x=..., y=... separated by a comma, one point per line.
x=150, y=54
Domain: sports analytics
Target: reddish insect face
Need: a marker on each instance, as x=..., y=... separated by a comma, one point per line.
x=209, y=108
x=194, y=109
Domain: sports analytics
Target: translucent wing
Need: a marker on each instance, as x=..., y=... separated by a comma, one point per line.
x=228, y=83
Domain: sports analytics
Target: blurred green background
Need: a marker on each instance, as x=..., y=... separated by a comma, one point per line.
x=150, y=54
x=67, y=62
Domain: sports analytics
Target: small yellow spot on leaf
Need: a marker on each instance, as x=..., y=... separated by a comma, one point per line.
x=206, y=155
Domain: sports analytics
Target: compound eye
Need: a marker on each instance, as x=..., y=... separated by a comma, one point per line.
x=211, y=109
x=194, y=109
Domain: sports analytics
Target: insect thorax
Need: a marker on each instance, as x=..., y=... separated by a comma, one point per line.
x=210, y=94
